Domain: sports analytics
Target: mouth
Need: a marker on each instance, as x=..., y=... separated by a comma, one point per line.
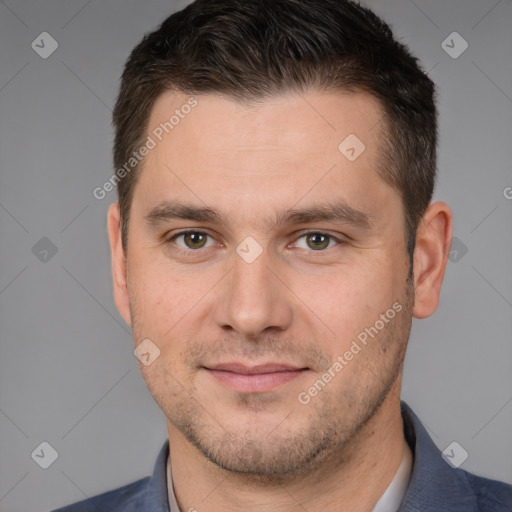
x=261, y=378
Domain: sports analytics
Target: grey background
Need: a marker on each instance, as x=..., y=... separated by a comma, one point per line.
x=67, y=371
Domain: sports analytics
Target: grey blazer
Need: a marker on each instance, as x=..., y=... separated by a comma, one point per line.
x=435, y=485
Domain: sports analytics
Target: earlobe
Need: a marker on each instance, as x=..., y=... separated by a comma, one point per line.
x=433, y=240
x=118, y=259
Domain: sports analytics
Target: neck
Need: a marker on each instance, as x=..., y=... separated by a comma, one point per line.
x=352, y=479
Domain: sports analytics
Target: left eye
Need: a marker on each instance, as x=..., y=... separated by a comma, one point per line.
x=192, y=239
x=317, y=241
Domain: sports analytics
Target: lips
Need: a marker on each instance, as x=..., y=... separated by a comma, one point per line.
x=260, y=378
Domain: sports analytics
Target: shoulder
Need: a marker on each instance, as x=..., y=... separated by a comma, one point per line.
x=127, y=498
x=436, y=485
x=148, y=494
x=490, y=494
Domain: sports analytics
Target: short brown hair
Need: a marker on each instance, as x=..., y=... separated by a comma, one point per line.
x=259, y=48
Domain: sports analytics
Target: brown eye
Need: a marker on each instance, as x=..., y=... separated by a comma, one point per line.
x=190, y=239
x=194, y=240
x=318, y=241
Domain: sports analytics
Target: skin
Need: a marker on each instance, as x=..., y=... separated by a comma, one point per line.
x=296, y=304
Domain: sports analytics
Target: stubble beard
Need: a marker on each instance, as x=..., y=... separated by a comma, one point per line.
x=310, y=437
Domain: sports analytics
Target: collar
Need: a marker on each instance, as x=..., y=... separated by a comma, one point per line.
x=435, y=486
x=394, y=494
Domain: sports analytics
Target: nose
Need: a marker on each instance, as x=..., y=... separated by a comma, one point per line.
x=254, y=298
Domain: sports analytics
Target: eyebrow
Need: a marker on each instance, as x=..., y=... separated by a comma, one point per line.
x=339, y=212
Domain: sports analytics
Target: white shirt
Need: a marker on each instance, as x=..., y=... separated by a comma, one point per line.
x=389, y=502
x=394, y=494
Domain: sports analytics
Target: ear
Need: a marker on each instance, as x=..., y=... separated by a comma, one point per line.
x=118, y=263
x=433, y=242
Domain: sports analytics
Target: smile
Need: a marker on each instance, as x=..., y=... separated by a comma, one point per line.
x=255, y=379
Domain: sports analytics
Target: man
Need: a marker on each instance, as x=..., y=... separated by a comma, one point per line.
x=273, y=239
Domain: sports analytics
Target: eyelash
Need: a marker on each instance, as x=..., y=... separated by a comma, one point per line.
x=302, y=235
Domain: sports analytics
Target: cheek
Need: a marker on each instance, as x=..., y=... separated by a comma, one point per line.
x=169, y=307
x=351, y=299
x=156, y=295
x=165, y=383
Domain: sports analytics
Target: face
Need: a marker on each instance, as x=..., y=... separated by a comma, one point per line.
x=269, y=268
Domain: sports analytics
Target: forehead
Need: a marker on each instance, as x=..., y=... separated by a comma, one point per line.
x=286, y=118
x=281, y=150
